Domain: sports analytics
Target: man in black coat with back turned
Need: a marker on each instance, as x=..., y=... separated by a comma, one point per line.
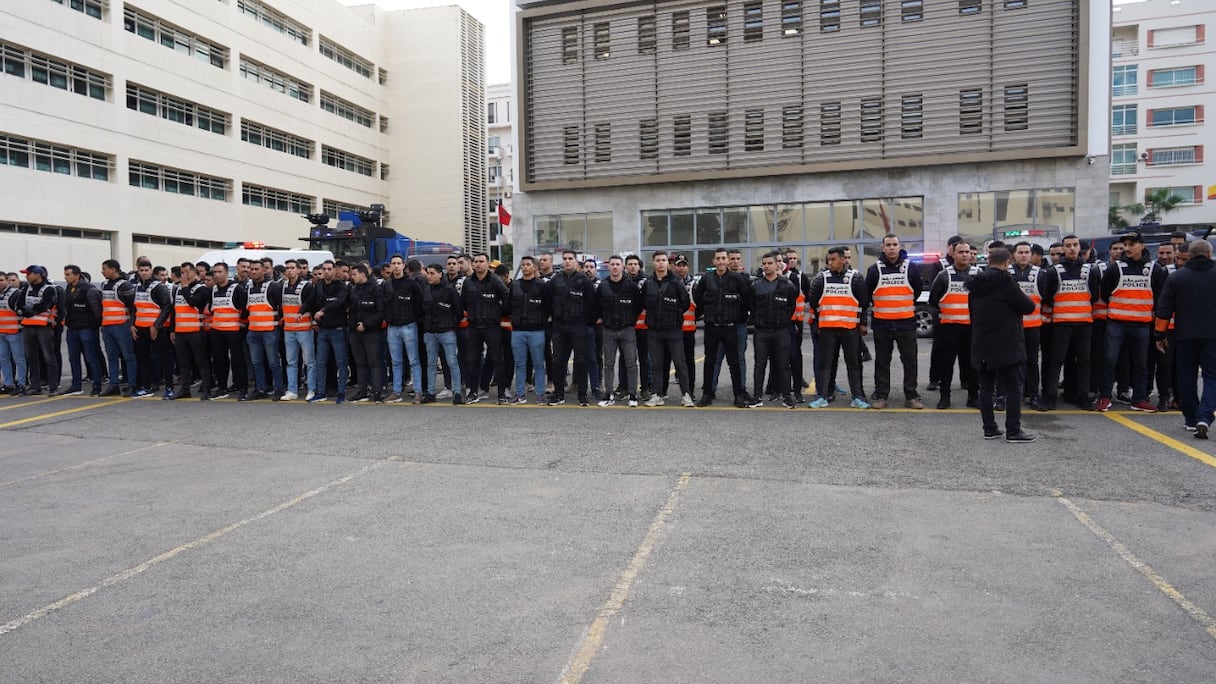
x=998, y=348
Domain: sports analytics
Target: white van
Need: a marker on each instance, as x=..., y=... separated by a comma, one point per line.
x=230, y=256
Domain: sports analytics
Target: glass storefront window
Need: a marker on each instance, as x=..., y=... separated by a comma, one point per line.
x=843, y=220
x=654, y=228
x=875, y=219
x=907, y=217
x=1042, y=215
x=761, y=222
x=709, y=227
x=681, y=228
x=599, y=234
x=579, y=232
x=1056, y=209
x=734, y=222
x=572, y=230
x=818, y=222
x=789, y=224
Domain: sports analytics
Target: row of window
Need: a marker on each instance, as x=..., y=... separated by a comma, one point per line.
x=790, y=23
x=345, y=57
x=174, y=38
x=156, y=177
x=44, y=156
x=185, y=112
x=347, y=161
x=272, y=18
x=20, y=62
x=1124, y=118
x=93, y=8
x=275, y=80
x=274, y=139
x=872, y=127
x=1125, y=77
x=347, y=110
x=271, y=198
x=333, y=208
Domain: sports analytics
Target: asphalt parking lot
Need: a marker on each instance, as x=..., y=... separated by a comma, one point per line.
x=151, y=541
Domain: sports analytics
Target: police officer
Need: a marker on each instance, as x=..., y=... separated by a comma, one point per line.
x=948, y=296
x=153, y=307
x=117, y=317
x=38, y=301
x=329, y=305
x=263, y=302
x=894, y=284
x=227, y=336
x=530, y=308
x=774, y=298
x=365, y=314
x=485, y=298
x=441, y=313
x=618, y=302
x=82, y=317
x=190, y=300
x=722, y=297
x=1027, y=276
x=666, y=299
x=571, y=293
x=1130, y=285
x=12, y=346
x=838, y=296
x=1070, y=288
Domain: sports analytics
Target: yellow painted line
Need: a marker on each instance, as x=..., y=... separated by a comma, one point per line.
x=1170, y=442
x=85, y=464
x=201, y=541
x=594, y=636
x=56, y=414
x=1193, y=611
x=30, y=403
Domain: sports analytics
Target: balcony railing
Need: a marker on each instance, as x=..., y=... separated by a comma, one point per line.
x=1123, y=169
x=1124, y=48
x=1126, y=129
x=1124, y=90
x=1172, y=157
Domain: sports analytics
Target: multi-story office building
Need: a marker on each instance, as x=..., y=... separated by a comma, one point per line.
x=1159, y=56
x=684, y=125
x=500, y=163
x=166, y=127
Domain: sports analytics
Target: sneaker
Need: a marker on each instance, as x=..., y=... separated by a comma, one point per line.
x=633, y=401
x=772, y=396
x=554, y=400
x=610, y=401
x=993, y=433
x=444, y=394
x=973, y=402
x=687, y=401
x=1043, y=405
x=655, y=400
x=361, y=399
x=503, y=401
x=520, y=399
x=584, y=401
x=72, y=392
x=943, y=403
x=646, y=394
x=914, y=404
x=1144, y=405
x=314, y=398
x=341, y=399
x=1103, y=405
x=998, y=404
x=310, y=396
x=474, y=397
x=33, y=392
x=112, y=391
x=394, y=398
x=1188, y=428
x=1124, y=397
x=427, y=398
x=141, y=392
x=754, y=402
x=704, y=401
x=289, y=396
x=841, y=390
x=96, y=392
x=1201, y=430
x=819, y=403
x=798, y=398
x=741, y=403
x=859, y=403
x=878, y=404
x=457, y=399
x=168, y=395
x=788, y=402
x=1020, y=438
x=932, y=386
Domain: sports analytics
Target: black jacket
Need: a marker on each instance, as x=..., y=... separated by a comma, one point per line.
x=1188, y=297
x=485, y=300
x=997, y=305
x=403, y=303
x=330, y=298
x=773, y=303
x=365, y=305
x=530, y=304
x=441, y=308
x=82, y=306
x=666, y=301
x=723, y=300
x=571, y=296
x=618, y=304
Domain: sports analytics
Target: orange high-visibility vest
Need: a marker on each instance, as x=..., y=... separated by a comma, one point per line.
x=1030, y=288
x=146, y=310
x=1132, y=300
x=838, y=308
x=954, y=307
x=689, y=324
x=1072, y=303
x=113, y=311
x=10, y=322
x=505, y=323
x=894, y=299
x=262, y=316
x=293, y=320
x=186, y=318
x=225, y=317
x=40, y=320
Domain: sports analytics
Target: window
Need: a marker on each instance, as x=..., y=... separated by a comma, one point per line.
x=93, y=8
x=1015, y=4
x=168, y=35
x=753, y=130
x=491, y=112
x=871, y=120
x=347, y=110
x=1017, y=107
x=682, y=130
x=719, y=133
x=347, y=161
x=829, y=16
x=1123, y=120
x=1166, y=78
x=648, y=35
x=871, y=13
x=280, y=200
x=54, y=158
x=1174, y=116
x=912, y=117
x=494, y=173
x=1174, y=156
x=492, y=143
x=570, y=45
x=970, y=6
x=1123, y=80
x=603, y=142
x=1177, y=35
x=383, y=124
x=53, y=72
x=1123, y=159
x=912, y=10
x=334, y=208
x=275, y=80
x=648, y=138
x=753, y=22
x=275, y=20
x=829, y=123
x=148, y=101
x=570, y=151
x=970, y=111
x=600, y=40
x=791, y=127
x=1188, y=195
x=791, y=17
x=179, y=182
x=345, y=57
x=715, y=25
x=274, y=139
x=680, y=31
x=382, y=76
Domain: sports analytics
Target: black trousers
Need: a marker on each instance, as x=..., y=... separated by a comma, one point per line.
x=1045, y=342
x=645, y=369
x=191, y=351
x=771, y=350
x=1097, y=357
x=41, y=361
x=228, y=353
x=1069, y=342
x=368, y=349
x=797, y=380
x=952, y=342
x=1161, y=369
x=716, y=337
x=689, y=340
x=567, y=338
x=885, y=342
x=831, y=342
x=154, y=357
x=668, y=346
x=488, y=342
x=1011, y=378
x=1030, y=384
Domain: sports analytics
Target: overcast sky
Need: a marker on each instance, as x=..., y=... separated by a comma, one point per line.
x=494, y=14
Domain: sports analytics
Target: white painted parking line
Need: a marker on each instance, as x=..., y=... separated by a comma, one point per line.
x=85, y=464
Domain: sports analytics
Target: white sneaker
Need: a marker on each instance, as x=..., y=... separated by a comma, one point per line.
x=311, y=395
x=633, y=403
x=687, y=400
x=289, y=396
x=444, y=394
x=655, y=400
x=610, y=401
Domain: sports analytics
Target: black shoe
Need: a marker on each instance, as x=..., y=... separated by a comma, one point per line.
x=798, y=398
x=944, y=402
x=205, y=396
x=753, y=402
x=705, y=400
x=932, y=386
x=788, y=402
x=993, y=433
x=1201, y=430
x=75, y=391
x=554, y=400
x=974, y=403
x=998, y=405
x=96, y=392
x=1020, y=438
x=582, y=401
x=1042, y=405
x=33, y=392
x=742, y=403
x=457, y=399
x=427, y=398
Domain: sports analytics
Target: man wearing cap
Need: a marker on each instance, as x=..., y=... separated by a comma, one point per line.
x=40, y=310
x=1131, y=286
x=12, y=346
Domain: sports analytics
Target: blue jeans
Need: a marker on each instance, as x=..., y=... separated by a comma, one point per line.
x=402, y=344
x=1192, y=357
x=524, y=344
x=1136, y=337
x=12, y=353
x=84, y=342
x=331, y=341
x=433, y=342
x=264, y=356
x=120, y=347
x=299, y=343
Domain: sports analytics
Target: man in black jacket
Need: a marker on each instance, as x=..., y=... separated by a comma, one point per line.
x=403, y=307
x=441, y=313
x=998, y=348
x=330, y=297
x=1187, y=299
x=572, y=294
x=82, y=316
x=722, y=297
x=666, y=298
x=366, y=337
x=38, y=300
x=618, y=302
x=484, y=297
x=529, y=308
x=774, y=299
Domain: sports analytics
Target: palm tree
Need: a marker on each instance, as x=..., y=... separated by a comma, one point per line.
x=1159, y=202
x=1115, y=218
